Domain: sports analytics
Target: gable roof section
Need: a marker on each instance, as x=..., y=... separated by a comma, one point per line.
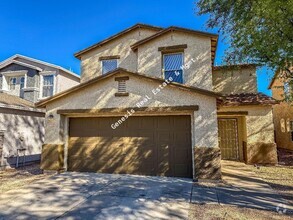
x=280, y=75
x=12, y=58
x=6, y=99
x=14, y=102
x=4, y=64
x=272, y=81
x=121, y=70
x=214, y=37
x=99, y=44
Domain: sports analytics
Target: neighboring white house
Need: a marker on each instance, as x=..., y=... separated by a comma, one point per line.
x=34, y=80
x=24, y=81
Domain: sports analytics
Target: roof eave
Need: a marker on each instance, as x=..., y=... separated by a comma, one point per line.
x=101, y=43
x=40, y=62
x=119, y=70
x=172, y=28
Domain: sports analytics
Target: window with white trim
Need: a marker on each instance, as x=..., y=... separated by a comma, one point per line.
x=172, y=66
x=48, y=86
x=109, y=65
x=12, y=83
x=22, y=81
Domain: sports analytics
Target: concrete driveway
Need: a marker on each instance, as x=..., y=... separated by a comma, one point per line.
x=99, y=196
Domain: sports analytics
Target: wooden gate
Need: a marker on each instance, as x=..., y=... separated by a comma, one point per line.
x=228, y=138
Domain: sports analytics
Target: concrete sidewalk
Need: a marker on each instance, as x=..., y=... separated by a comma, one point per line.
x=241, y=187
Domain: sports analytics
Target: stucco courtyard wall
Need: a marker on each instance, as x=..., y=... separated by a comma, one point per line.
x=235, y=81
x=260, y=143
x=102, y=95
x=22, y=129
x=283, y=114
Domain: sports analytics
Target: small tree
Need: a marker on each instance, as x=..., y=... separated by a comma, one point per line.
x=258, y=31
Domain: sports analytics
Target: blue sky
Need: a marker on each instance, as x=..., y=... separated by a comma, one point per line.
x=53, y=31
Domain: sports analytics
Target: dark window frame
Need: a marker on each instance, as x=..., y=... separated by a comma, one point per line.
x=180, y=69
x=107, y=60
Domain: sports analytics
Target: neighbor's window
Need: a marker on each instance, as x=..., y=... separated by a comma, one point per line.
x=172, y=64
x=109, y=65
x=22, y=82
x=12, y=83
x=48, y=85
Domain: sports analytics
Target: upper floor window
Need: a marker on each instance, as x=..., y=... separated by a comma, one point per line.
x=48, y=85
x=172, y=64
x=12, y=83
x=22, y=80
x=109, y=65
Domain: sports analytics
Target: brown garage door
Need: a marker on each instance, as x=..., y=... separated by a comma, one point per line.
x=140, y=145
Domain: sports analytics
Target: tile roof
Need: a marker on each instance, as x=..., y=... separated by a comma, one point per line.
x=248, y=99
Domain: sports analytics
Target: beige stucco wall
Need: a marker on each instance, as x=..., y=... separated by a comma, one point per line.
x=259, y=122
x=235, y=81
x=101, y=95
x=27, y=125
x=198, y=48
x=65, y=81
x=91, y=66
x=278, y=89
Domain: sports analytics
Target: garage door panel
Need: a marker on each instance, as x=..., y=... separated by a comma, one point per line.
x=181, y=170
x=181, y=156
x=182, y=124
x=146, y=123
x=182, y=137
x=146, y=145
x=165, y=123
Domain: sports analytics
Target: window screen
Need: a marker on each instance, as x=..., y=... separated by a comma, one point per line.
x=172, y=66
x=109, y=65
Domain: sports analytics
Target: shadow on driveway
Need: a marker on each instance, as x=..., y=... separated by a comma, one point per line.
x=99, y=196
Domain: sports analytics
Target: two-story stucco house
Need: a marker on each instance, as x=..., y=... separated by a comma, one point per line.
x=24, y=81
x=151, y=102
x=283, y=112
